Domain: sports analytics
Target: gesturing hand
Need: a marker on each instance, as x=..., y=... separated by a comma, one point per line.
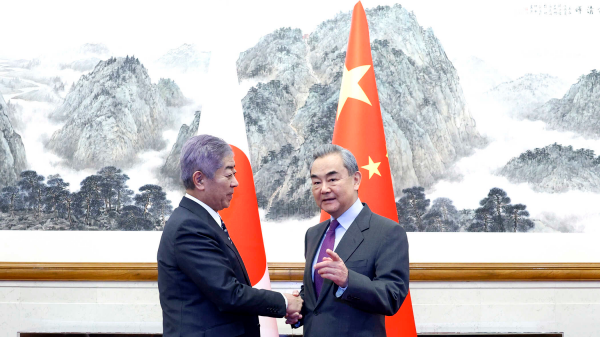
x=333, y=268
x=294, y=306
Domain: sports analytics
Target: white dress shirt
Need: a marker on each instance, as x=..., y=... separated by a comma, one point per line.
x=217, y=218
x=345, y=221
x=210, y=211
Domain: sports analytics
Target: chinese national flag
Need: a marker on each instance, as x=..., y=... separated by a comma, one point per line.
x=359, y=128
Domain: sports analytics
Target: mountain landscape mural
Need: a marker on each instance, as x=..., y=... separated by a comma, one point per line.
x=98, y=129
x=481, y=137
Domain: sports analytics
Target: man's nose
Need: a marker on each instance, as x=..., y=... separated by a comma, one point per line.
x=325, y=188
x=234, y=182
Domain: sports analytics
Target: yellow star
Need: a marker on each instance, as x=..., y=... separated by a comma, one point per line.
x=372, y=168
x=350, y=87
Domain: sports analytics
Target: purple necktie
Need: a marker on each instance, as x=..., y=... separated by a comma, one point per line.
x=328, y=243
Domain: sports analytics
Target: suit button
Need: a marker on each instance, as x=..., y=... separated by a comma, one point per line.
x=316, y=313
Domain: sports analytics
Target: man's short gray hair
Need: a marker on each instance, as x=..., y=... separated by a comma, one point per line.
x=203, y=153
x=347, y=157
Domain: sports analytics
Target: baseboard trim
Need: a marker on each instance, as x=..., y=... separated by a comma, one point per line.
x=278, y=271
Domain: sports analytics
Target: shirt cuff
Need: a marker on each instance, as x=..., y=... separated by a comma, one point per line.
x=340, y=292
x=285, y=299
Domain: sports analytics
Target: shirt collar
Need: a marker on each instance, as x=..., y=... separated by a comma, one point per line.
x=210, y=211
x=349, y=215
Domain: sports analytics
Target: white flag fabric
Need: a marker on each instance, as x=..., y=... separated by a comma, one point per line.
x=222, y=116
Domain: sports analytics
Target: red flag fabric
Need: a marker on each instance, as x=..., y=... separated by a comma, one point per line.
x=243, y=221
x=222, y=116
x=359, y=128
x=243, y=225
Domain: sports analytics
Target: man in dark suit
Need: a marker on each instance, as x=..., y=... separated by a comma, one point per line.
x=356, y=268
x=203, y=285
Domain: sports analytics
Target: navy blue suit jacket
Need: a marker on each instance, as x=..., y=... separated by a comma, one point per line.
x=203, y=285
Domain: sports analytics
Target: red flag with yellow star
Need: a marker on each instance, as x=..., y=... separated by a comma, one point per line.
x=359, y=128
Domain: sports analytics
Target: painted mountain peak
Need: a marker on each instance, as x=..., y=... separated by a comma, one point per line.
x=171, y=93
x=577, y=110
x=12, y=150
x=555, y=169
x=171, y=170
x=111, y=114
x=185, y=58
x=292, y=110
x=527, y=93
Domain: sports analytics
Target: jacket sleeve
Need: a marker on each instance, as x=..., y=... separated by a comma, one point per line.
x=201, y=258
x=303, y=311
x=388, y=289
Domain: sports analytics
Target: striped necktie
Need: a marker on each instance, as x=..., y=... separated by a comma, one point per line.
x=225, y=229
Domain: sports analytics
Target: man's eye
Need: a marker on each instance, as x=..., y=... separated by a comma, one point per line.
x=316, y=182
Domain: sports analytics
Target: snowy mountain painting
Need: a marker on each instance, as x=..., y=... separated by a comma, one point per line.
x=474, y=146
x=79, y=130
x=490, y=126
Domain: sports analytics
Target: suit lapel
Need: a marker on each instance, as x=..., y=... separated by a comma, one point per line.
x=198, y=210
x=240, y=260
x=349, y=243
x=231, y=246
x=354, y=235
x=313, y=246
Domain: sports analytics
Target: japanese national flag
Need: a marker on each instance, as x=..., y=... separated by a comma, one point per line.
x=222, y=117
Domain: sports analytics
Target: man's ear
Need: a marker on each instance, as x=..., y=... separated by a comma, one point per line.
x=357, y=179
x=198, y=179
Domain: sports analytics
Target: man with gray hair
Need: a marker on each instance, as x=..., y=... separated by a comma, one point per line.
x=356, y=270
x=202, y=281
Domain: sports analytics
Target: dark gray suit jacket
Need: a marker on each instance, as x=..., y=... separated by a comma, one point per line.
x=203, y=285
x=375, y=251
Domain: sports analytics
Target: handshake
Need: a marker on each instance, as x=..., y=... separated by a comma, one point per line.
x=332, y=268
x=294, y=306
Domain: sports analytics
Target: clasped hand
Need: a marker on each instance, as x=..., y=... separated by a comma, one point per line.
x=294, y=306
